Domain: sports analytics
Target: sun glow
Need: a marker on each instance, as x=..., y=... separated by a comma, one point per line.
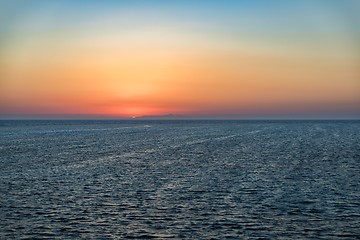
x=123, y=63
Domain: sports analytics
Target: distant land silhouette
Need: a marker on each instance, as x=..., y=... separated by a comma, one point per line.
x=156, y=117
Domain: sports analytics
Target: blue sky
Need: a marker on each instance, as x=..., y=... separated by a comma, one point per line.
x=301, y=54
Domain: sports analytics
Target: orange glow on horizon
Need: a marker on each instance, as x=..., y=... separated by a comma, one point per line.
x=151, y=69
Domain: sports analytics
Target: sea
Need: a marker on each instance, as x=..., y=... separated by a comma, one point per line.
x=188, y=179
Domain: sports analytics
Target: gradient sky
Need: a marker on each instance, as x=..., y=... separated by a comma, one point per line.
x=254, y=58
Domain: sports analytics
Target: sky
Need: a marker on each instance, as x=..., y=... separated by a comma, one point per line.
x=198, y=58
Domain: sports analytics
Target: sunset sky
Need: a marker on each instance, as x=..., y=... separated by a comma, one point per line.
x=226, y=59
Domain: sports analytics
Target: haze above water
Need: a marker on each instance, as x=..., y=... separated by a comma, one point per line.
x=179, y=179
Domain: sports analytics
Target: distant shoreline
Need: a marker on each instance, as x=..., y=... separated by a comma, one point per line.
x=180, y=119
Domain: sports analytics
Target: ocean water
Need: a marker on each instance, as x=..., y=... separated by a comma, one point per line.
x=180, y=179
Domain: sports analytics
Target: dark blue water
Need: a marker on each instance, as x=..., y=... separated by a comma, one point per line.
x=180, y=179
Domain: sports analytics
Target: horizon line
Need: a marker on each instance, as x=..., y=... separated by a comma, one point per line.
x=180, y=119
